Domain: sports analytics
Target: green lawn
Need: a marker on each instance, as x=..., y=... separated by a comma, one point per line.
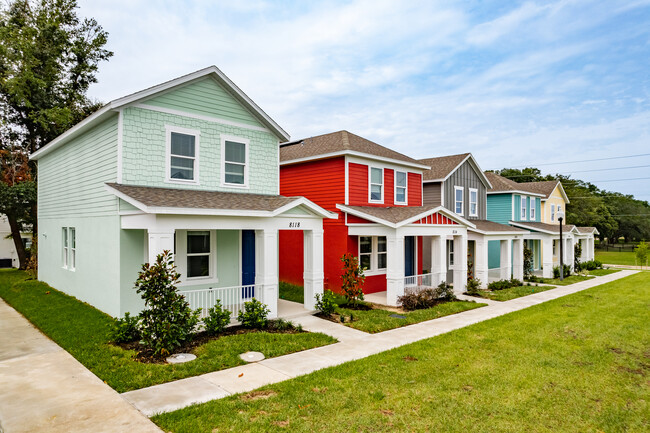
x=378, y=320
x=84, y=332
x=291, y=292
x=601, y=272
x=579, y=363
x=567, y=280
x=513, y=292
x=616, y=258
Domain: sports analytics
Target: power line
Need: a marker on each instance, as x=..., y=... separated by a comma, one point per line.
x=585, y=171
x=588, y=160
x=620, y=180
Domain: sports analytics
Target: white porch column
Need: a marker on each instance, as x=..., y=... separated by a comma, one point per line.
x=505, y=260
x=570, y=253
x=438, y=259
x=547, y=258
x=591, y=247
x=395, y=268
x=313, y=274
x=460, y=263
x=159, y=241
x=266, y=267
x=518, y=259
x=481, y=261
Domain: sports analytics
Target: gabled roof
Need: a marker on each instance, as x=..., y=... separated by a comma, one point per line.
x=547, y=188
x=444, y=166
x=110, y=108
x=552, y=229
x=341, y=143
x=588, y=230
x=490, y=227
x=502, y=184
x=183, y=201
x=398, y=216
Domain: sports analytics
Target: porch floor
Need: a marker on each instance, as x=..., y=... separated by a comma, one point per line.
x=289, y=309
x=376, y=298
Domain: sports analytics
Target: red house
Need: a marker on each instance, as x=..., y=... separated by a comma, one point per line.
x=377, y=194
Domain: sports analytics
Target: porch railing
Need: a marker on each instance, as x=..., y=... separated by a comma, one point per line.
x=232, y=298
x=418, y=282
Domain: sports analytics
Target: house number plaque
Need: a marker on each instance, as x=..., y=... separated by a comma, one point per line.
x=294, y=225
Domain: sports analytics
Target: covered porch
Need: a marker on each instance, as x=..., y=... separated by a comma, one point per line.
x=586, y=237
x=548, y=236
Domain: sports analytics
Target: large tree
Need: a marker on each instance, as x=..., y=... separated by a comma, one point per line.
x=48, y=59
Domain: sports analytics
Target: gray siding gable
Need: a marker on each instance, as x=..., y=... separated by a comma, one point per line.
x=467, y=177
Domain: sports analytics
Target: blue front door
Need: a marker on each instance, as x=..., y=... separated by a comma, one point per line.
x=409, y=256
x=248, y=262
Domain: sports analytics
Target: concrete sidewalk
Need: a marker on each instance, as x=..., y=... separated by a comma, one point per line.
x=353, y=344
x=44, y=389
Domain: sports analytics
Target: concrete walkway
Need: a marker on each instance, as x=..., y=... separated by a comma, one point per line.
x=353, y=344
x=44, y=389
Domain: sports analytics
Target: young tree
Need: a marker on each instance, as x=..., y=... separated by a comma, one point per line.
x=353, y=279
x=641, y=252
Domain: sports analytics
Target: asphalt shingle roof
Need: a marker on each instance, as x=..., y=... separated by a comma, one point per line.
x=392, y=214
x=553, y=228
x=441, y=166
x=491, y=226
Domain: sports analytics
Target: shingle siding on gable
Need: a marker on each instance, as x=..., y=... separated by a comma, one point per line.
x=144, y=152
x=499, y=208
x=466, y=177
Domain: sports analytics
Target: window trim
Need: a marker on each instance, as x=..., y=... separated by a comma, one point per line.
x=462, y=200
x=523, y=214
x=168, y=163
x=69, y=248
x=181, y=259
x=65, y=242
x=473, y=190
x=370, y=184
x=552, y=213
x=532, y=212
x=450, y=253
x=246, y=142
x=406, y=187
x=374, y=255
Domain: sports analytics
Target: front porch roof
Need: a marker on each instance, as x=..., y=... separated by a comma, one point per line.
x=551, y=229
x=588, y=230
x=398, y=216
x=486, y=227
x=155, y=200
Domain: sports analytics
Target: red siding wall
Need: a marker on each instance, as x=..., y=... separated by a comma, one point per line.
x=415, y=189
x=358, y=196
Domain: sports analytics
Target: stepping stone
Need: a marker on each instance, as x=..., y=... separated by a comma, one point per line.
x=179, y=358
x=397, y=316
x=252, y=356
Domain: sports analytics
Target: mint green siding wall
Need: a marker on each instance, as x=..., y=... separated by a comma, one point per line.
x=538, y=210
x=132, y=256
x=517, y=208
x=207, y=98
x=499, y=208
x=494, y=254
x=144, y=152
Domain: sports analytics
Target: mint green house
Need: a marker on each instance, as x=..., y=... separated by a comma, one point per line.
x=190, y=166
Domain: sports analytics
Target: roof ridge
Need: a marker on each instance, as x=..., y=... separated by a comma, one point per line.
x=345, y=139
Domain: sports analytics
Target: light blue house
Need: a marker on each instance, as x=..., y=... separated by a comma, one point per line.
x=191, y=166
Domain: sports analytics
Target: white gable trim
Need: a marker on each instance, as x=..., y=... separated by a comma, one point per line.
x=439, y=209
x=358, y=154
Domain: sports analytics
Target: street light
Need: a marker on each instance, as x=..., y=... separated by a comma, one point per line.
x=560, y=217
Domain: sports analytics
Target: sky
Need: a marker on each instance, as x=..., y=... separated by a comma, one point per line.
x=554, y=85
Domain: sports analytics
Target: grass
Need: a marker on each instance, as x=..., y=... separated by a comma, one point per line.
x=616, y=258
x=601, y=272
x=292, y=292
x=513, y=292
x=84, y=332
x=579, y=363
x=567, y=280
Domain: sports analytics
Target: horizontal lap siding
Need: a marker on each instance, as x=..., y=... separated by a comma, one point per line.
x=499, y=208
x=415, y=189
x=358, y=184
x=432, y=196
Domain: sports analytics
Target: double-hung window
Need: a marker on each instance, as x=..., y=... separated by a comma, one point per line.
x=458, y=199
x=400, y=187
x=234, y=157
x=198, y=254
x=183, y=155
x=372, y=253
x=376, y=185
x=532, y=208
x=69, y=253
x=473, y=202
x=523, y=208
x=552, y=213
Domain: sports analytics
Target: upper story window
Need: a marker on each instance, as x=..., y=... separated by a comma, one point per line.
x=552, y=213
x=234, y=161
x=376, y=185
x=532, y=208
x=400, y=187
x=473, y=202
x=69, y=247
x=372, y=253
x=523, y=207
x=458, y=199
x=182, y=155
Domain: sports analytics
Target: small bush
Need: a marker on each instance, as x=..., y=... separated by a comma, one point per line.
x=217, y=320
x=325, y=303
x=445, y=292
x=254, y=314
x=591, y=265
x=556, y=271
x=427, y=298
x=641, y=253
x=283, y=325
x=126, y=329
x=505, y=284
x=473, y=286
x=534, y=279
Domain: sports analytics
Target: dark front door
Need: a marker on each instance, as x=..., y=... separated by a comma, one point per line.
x=248, y=262
x=409, y=256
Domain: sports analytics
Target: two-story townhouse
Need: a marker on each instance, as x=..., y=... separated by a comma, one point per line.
x=377, y=193
x=190, y=166
x=457, y=182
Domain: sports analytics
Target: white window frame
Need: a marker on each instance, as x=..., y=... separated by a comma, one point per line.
x=475, y=213
x=65, y=241
x=246, y=142
x=406, y=187
x=168, y=166
x=370, y=184
x=533, y=210
x=450, y=252
x=374, y=255
x=462, y=200
x=552, y=213
x=181, y=255
x=69, y=250
x=522, y=211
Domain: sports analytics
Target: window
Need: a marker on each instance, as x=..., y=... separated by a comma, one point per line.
x=458, y=196
x=450, y=252
x=552, y=213
x=523, y=208
x=182, y=155
x=376, y=184
x=400, y=187
x=559, y=209
x=69, y=247
x=473, y=202
x=234, y=156
x=532, y=208
x=372, y=253
x=198, y=254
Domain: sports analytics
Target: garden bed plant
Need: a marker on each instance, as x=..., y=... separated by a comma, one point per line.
x=504, y=290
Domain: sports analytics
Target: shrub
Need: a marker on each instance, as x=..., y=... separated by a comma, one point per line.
x=254, y=314
x=167, y=320
x=641, y=252
x=473, y=286
x=591, y=265
x=126, y=329
x=556, y=271
x=217, y=320
x=353, y=279
x=325, y=303
x=577, y=252
x=505, y=284
x=426, y=298
x=528, y=261
x=445, y=292
x=283, y=325
x=534, y=279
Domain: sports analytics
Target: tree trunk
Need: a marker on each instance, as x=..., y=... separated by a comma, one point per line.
x=18, y=241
